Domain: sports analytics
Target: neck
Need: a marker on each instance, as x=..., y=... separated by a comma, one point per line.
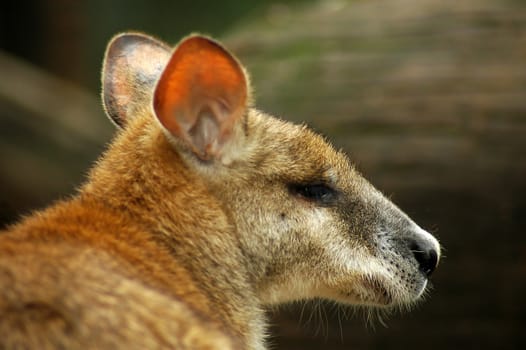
x=151, y=185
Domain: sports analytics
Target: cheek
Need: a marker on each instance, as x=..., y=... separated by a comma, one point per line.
x=318, y=238
x=337, y=249
x=264, y=221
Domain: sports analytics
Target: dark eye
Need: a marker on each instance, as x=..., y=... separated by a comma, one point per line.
x=320, y=193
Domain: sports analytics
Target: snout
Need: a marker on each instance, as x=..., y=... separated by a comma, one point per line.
x=426, y=250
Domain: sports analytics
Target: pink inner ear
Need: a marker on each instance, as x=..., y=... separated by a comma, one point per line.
x=201, y=94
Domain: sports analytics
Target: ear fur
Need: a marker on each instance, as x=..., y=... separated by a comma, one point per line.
x=201, y=95
x=132, y=65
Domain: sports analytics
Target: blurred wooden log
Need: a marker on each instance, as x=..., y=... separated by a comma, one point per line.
x=50, y=131
x=427, y=93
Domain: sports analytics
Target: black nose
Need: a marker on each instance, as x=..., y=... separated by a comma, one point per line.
x=426, y=257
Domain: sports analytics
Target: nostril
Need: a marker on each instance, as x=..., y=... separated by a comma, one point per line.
x=427, y=258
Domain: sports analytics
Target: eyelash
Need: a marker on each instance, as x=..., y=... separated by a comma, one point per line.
x=316, y=192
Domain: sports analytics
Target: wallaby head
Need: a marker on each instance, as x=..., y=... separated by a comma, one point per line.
x=307, y=223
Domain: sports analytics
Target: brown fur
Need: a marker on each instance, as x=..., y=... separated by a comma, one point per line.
x=178, y=240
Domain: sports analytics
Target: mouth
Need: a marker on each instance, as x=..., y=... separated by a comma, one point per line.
x=387, y=291
x=377, y=291
x=368, y=291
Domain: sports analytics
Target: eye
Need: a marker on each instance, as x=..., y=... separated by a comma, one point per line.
x=317, y=192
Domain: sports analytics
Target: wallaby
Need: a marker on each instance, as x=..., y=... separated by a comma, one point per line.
x=203, y=212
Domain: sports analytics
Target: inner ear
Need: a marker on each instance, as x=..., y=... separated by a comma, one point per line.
x=133, y=63
x=201, y=96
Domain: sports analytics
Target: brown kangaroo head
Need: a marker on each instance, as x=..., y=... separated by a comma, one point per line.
x=307, y=223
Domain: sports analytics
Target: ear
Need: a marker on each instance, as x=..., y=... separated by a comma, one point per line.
x=201, y=96
x=132, y=65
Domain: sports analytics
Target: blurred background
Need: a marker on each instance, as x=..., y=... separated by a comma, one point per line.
x=427, y=96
